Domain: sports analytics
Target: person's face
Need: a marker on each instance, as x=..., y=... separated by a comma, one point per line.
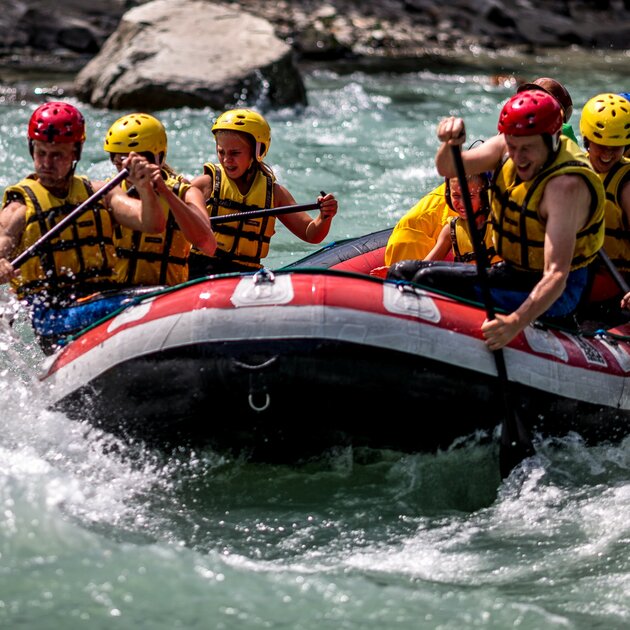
x=53, y=162
x=529, y=154
x=117, y=159
x=234, y=151
x=475, y=188
x=603, y=158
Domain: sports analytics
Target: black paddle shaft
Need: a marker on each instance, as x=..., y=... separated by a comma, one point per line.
x=515, y=445
x=614, y=272
x=58, y=227
x=262, y=212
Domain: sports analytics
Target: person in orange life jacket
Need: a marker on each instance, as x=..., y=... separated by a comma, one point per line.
x=243, y=182
x=79, y=261
x=157, y=259
x=547, y=212
x=455, y=237
x=605, y=129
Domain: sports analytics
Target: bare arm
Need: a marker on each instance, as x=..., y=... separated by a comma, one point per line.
x=204, y=183
x=12, y=223
x=190, y=214
x=301, y=223
x=442, y=245
x=451, y=132
x=565, y=207
x=146, y=213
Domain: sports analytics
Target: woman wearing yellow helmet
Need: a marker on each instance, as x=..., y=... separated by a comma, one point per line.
x=605, y=129
x=157, y=259
x=241, y=181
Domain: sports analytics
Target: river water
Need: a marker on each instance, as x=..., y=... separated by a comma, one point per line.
x=98, y=534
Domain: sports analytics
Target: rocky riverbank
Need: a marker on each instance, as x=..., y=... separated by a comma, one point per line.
x=51, y=41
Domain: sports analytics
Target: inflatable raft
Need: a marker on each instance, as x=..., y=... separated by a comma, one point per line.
x=280, y=365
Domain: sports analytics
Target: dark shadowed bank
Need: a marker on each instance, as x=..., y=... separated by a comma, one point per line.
x=51, y=41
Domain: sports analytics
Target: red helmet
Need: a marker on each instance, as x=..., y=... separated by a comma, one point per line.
x=57, y=122
x=530, y=113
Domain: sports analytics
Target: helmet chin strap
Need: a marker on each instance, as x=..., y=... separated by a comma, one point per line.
x=259, y=150
x=555, y=141
x=552, y=141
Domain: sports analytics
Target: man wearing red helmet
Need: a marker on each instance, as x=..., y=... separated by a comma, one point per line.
x=561, y=94
x=79, y=261
x=547, y=216
x=417, y=231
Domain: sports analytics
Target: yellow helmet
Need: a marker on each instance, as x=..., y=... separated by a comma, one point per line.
x=247, y=121
x=137, y=132
x=606, y=120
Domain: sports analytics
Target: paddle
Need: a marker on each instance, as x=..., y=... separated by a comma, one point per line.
x=16, y=262
x=515, y=444
x=614, y=272
x=263, y=212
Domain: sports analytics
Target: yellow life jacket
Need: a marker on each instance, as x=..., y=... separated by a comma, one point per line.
x=241, y=242
x=463, y=248
x=77, y=261
x=417, y=231
x=617, y=240
x=154, y=259
x=519, y=231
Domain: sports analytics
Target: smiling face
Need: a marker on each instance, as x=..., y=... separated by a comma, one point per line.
x=475, y=188
x=529, y=154
x=235, y=152
x=603, y=158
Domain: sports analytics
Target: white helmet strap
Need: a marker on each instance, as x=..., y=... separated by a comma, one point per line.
x=259, y=150
x=555, y=141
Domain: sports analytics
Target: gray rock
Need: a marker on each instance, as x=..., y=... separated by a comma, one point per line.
x=203, y=53
x=45, y=43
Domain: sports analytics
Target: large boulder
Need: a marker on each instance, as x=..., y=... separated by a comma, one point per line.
x=191, y=53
